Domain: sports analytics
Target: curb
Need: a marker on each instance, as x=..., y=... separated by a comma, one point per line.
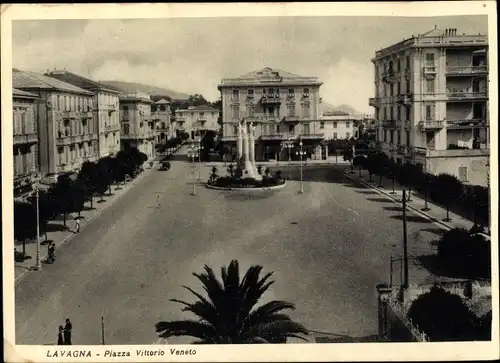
x=82, y=226
x=276, y=187
x=415, y=210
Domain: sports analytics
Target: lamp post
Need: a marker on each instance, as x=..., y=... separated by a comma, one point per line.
x=289, y=146
x=193, y=153
x=301, y=153
x=199, y=148
x=36, y=184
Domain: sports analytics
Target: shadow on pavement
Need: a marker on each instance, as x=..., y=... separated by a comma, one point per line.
x=380, y=200
x=55, y=227
x=368, y=192
x=436, y=231
x=410, y=218
x=246, y=196
x=433, y=264
x=393, y=209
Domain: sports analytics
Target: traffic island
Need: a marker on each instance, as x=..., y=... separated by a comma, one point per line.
x=246, y=184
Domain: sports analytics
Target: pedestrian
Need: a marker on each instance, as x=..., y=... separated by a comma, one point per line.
x=60, y=336
x=52, y=253
x=67, y=332
x=77, y=230
x=157, y=200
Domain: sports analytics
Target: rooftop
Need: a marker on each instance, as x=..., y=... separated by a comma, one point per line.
x=436, y=38
x=31, y=80
x=80, y=81
x=23, y=94
x=199, y=108
x=269, y=75
x=162, y=102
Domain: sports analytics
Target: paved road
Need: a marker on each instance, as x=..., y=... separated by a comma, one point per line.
x=328, y=248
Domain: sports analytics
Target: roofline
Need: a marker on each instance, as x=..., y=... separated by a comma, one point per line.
x=273, y=84
x=135, y=99
x=32, y=97
x=57, y=89
x=96, y=85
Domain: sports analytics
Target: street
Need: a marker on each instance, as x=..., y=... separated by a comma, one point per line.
x=328, y=249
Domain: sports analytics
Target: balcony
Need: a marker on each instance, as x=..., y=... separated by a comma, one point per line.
x=111, y=128
x=262, y=118
x=466, y=96
x=313, y=136
x=180, y=119
x=75, y=139
x=278, y=136
x=68, y=115
x=389, y=77
x=466, y=70
x=430, y=70
x=465, y=123
x=373, y=101
x=402, y=149
x=431, y=125
x=86, y=114
x=228, y=138
x=26, y=138
x=388, y=124
x=235, y=99
x=291, y=119
x=270, y=99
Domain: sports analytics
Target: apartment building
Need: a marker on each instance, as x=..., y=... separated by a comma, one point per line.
x=196, y=119
x=137, y=124
x=161, y=113
x=67, y=136
x=431, y=103
x=105, y=110
x=283, y=107
x=337, y=125
x=25, y=145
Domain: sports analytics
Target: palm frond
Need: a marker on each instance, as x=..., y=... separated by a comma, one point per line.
x=196, y=329
x=256, y=340
x=272, y=307
x=276, y=329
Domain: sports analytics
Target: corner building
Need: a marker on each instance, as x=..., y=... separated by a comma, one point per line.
x=283, y=107
x=431, y=103
x=137, y=124
x=105, y=110
x=25, y=143
x=67, y=136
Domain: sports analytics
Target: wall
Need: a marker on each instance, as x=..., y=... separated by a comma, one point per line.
x=458, y=58
x=458, y=111
x=476, y=166
x=459, y=84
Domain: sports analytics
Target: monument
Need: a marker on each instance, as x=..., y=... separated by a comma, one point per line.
x=246, y=150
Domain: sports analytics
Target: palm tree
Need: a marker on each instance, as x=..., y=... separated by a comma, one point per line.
x=229, y=316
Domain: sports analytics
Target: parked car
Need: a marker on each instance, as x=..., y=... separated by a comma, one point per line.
x=165, y=165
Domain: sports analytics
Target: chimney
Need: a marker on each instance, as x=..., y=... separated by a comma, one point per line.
x=446, y=32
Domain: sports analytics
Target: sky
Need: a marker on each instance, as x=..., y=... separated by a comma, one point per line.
x=191, y=55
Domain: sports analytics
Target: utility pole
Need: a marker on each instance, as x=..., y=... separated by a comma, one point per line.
x=102, y=329
x=405, y=243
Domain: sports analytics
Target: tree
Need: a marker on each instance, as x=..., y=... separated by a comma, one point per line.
x=103, y=177
x=196, y=100
x=88, y=176
x=213, y=175
x=446, y=188
x=371, y=165
x=443, y=316
x=230, y=170
x=78, y=194
x=359, y=161
x=229, y=314
x=24, y=223
x=379, y=163
x=46, y=207
x=407, y=175
x=62, y=193
x=348, y=156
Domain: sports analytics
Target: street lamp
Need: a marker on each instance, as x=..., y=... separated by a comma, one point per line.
x=289, y=146
x=36, y=184
x=301, y=153
x=193, y=154
x=199, y=147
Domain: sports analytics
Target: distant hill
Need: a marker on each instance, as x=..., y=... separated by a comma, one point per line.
x=151, y=90
x=343, y=108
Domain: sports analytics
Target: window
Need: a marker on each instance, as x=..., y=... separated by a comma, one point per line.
x=305, y=111
x=235, y=130
x=408, y=62
x=291, y=110
x=408, y=112
x=250, y=111
x=235, y=112
x=391, y=109
x=462, y=173
x=305, y=129
x=408, y=87
x=322, y=125
x=347, y=135
x=335, y=135
x=291, y=93
x=236, y=94
x=398, y=88
x=250, y=93
x=392, y=136
x=429, y=59
x=347, y=124
x=429, y=86
x=126, y=129
x=398, y=137
x=125, y=108
x=306, y=92
x=408, y=138
x=398, y=65
x=429, y=112
x=334, y=124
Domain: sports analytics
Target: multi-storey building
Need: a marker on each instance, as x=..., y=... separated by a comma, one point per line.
x=66, y=134
x=282, y=106
x=196, y=119
x=337, y=125
x=161, y=113
x=431, y=103
x=137, y=125
x=25, y=108
x=105, y=110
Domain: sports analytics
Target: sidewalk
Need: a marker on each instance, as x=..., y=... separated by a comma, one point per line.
x=417, y=202
x=59, y=235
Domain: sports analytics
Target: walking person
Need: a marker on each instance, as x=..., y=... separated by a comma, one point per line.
x=52, y=253
x=60, y=336
x=77, y=229
x=157, y=201
x=67, y=332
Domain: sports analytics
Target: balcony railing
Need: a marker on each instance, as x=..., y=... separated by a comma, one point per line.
x=292, y=119
x=270, y=99
x=262, y=118
x=389, y=76
x=278, y=136
x=312, y=136
x=26, y=138
x=462, y=95
x=69, y=114
x=431, y=70
x=388, y=124
x=228, y=138
x=465, y=123
x=466, y=70
x=86, y=114
x=431, y=124
x=111, y=128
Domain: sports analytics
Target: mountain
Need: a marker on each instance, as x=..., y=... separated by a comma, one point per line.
x=150, y=90
x=328, y=107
